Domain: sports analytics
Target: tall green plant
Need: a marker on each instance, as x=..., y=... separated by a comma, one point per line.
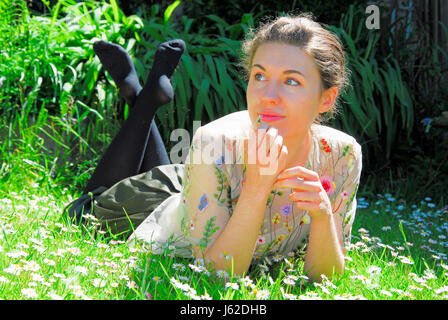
x=208, y=83
x=378, y=106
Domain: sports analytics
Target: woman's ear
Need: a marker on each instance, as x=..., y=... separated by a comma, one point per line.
x=328, y=99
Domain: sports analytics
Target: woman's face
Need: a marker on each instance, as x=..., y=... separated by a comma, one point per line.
x=284, y=81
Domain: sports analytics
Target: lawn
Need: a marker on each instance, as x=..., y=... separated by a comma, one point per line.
x=398, y=249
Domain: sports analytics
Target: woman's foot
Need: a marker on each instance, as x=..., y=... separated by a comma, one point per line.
x=158, y=85
x=119, y=64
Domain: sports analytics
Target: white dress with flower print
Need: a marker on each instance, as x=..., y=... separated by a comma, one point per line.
x=214, y=177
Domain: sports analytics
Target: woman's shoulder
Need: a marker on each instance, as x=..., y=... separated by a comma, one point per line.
x=233, y=125
x=333, y=136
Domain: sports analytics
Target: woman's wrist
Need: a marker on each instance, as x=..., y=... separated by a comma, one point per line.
x=255, y=192
x=324, y=217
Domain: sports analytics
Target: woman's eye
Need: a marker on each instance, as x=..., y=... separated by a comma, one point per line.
x=259, y=76
x=292, y=82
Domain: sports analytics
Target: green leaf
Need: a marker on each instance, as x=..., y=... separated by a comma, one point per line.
x=169, y=11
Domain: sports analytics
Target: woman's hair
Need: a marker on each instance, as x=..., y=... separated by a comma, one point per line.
x=302, y=31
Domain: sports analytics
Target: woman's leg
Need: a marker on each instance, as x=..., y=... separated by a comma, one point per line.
x=137, y=147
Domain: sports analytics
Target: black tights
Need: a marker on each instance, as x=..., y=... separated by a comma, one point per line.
x=137, y=147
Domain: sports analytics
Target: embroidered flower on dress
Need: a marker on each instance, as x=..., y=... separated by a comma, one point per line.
x=305, y=219
x=346, y=150
x=344, y=194
x=280, y=238
x=203, y=203
x=276, y=219
x=328, y=184
x=261, y=240
x=325, y=146
x=229, y=145
x=220, y=162
x=286, y=210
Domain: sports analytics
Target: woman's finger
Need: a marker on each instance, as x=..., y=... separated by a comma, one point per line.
x=269, y=139
x=298, y=184
x=304, y=196
x=300, y=172
x=275, y=147
x=309, y=206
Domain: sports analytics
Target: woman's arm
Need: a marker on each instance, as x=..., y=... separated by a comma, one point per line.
x=238, y=238
x=330, y=223
x=324, y=253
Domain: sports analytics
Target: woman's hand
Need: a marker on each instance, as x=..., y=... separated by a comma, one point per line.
x=309, y=194
x=265, y=158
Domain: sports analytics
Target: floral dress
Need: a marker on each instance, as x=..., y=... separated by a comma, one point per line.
x=214, y=176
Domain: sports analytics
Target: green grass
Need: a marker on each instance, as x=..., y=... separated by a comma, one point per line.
x=58, y=116
x=43, y=257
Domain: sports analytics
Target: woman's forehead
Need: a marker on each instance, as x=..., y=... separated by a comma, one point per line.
x=283, y=57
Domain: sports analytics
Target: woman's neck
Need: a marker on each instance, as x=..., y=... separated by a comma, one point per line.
x=298, y=149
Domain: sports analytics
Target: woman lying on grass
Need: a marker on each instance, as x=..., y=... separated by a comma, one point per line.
x=265, y=181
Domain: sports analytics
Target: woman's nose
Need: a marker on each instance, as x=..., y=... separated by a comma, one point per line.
x=270, y=94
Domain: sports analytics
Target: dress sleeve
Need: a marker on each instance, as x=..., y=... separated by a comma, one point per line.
x=207, y=193
x=348, y=174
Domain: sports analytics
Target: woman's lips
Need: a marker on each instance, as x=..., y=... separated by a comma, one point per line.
x=269, y=118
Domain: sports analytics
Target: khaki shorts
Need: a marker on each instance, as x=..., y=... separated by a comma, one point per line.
x=130, y=200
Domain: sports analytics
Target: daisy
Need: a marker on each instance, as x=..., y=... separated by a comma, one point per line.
x=205, y=296
x=178, y=267
x=77, y=290
x=373, y=270
x=441, y=290
x=323, y=288
x=49, y=262
x=131, y=284
x=232, y=285
x=17, y=254
x=74, y=251
x=262, y=294
x=289, y=281
x=98, y=283
x=37, y=277
x=29, y=293
x=82, y=270
x=179, y=285
x=386, y=293
x=195, y=268
x=405, y=260
x=289, y=296
x=31, y=266
x=54, y=296
x=225, y=255
x=246, y=281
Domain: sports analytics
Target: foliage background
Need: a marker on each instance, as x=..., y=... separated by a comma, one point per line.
x=49, y=69
x=59, y=110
